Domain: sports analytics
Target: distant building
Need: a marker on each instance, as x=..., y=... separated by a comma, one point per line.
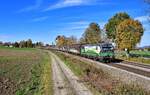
x=10, y=46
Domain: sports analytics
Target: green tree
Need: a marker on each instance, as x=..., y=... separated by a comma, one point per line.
x=113, y=23
x=1, y=43
x=92, y=34
x=39, y=44
x=16, y=44
x=129, y=33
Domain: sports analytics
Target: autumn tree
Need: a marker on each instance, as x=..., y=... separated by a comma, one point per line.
x=29, y=43
x=70, y=40
x=65, y=41
x=23, y=44
x=92, y=34
x=60, y=41
x=128, y=34
x=113, y=23
x=82, y=40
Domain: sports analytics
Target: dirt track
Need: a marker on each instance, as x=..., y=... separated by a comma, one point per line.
x=64, y=79
x=61, y=85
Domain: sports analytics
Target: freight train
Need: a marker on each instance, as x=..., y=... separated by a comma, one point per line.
x=102, y=52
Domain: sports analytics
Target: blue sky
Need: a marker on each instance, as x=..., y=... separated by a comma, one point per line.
x=43, y=20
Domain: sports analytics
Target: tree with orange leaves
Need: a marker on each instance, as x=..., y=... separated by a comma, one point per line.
x=60, y=41
x=129, y=34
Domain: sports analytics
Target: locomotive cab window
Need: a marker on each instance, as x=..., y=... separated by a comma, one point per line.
x=96, y=47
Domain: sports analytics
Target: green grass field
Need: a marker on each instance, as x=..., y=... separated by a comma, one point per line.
x=142, y=53
x=140, y=59
x=25, y=71
x=8, y=48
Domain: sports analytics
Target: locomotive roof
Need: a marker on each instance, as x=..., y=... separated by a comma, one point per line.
x=97, y=44
x=74, y=45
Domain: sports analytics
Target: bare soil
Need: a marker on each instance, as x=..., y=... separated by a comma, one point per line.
x=7, y=86
x=21, y=71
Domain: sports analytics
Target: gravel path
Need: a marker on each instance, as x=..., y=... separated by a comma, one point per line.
x=65, y=82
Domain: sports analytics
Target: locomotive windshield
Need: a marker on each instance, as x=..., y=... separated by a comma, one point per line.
x=107, y=47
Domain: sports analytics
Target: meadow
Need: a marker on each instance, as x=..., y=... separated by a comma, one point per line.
x=25, y=71
x=141, y=53
x=135, y=56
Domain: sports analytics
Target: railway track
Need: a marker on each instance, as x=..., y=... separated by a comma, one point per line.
x=138, y=68
x=132, y=68
x=137, y=64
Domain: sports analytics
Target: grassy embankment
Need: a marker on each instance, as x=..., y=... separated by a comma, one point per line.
x=122, y=55
x=100, y=82
x=25, y=72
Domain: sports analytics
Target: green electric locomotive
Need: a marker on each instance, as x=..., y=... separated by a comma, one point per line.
x=103, y=52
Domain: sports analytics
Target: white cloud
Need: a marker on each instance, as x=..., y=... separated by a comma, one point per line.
x=77, y=25
x=142, y=18
x=145, y=37
x=4, y=36
x=74, y=27
x=39, y=19
x=102, y=24
x=31, y=7
x=79, y=22
x=69, y=3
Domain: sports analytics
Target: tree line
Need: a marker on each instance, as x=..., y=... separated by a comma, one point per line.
x=22, y=44
x=121, y=29
x=65, y=41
